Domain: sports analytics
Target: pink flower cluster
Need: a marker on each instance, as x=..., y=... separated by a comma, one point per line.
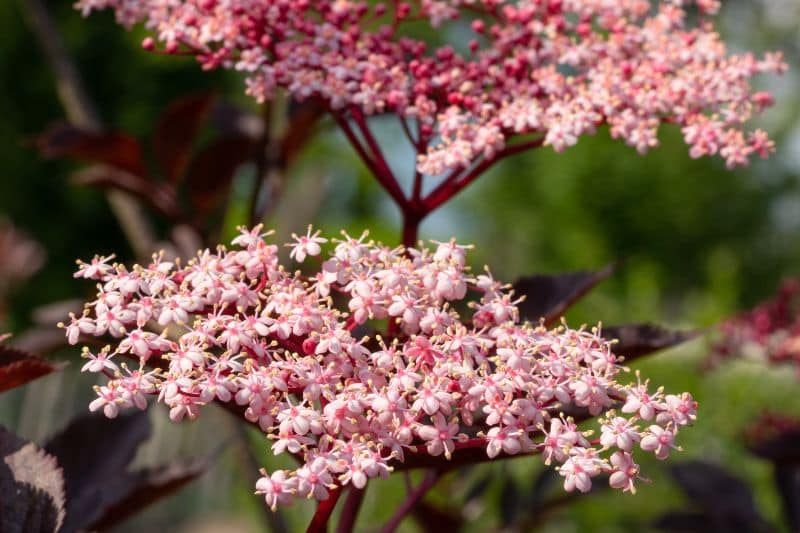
x=556, y=69
x=771, y=331
x=373, y=358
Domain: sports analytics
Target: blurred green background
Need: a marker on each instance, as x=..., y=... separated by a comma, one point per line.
x=698, y=244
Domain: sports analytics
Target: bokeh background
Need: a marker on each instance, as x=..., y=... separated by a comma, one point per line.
x=697, y=244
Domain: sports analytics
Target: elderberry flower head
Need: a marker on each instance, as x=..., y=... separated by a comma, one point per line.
x=553, y=69
x=405, y=358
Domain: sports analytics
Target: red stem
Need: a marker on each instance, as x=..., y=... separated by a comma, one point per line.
x=387, y=175
x=411, y=222
x=454, y=184
x=350, y=510
x=431, y=477
x=319, y=523
x=375, y=161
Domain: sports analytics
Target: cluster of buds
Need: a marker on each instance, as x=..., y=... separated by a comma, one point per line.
x=770, y=332
x=377, y=359
x=556, y=69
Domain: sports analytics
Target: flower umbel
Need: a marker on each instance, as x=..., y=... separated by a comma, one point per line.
x=554, y=69
x=453, y=367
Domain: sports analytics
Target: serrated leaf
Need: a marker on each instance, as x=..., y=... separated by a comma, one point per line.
x=112, y=148
x=549, y=296
x=31, y=485
x=18, y=367
x=93, y=450
x=176, y=132
x=211, y=172
x=637, y=340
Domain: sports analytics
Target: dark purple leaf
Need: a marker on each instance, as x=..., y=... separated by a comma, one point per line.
x=548, y=296
x=111, y=148
x=541, y=487
x=783, y=448
x=132, y=492
x=685, y=522
x=510, y=502
x=232, y=121
x=211, y=172
x=726, y=500
x=637, y=340
x=176, y=132
x=432, y=519
x=93, y=450
x=787, y=479
x=31, y=487
x=159, y=196
x=18, y=367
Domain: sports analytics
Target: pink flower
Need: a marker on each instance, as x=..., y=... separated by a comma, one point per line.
x=625, y=471
x=633, y=65
x=277, y=488
x=98, y=363
x=660, y=440
x=314, y=480
x=440, y=436
x=307, y=244
x=619, y=432
x=349, y=409
x=501, y=439
x=579, y=469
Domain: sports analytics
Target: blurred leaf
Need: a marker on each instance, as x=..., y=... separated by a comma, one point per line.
x=232, y=121
x=134, y=491
x=95, y=454
x=787, y=479
x=211, y=172
x=92, y=450
x=31, y=485
x=548, y=296
x=111, y=148
x=18, y=367
x=780, y=449
x=541, y=486
x=726, y=500
x=176, y=132
x=687, y=522
x=302, y=118
x=478, y=488
x=637, y=340
x=432, y=519
x=157, y=195
x=510, y=502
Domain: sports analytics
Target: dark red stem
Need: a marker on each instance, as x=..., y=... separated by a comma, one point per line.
x=319, y=523
x=375, y=160
x=431, y=477
x=460, y=179
x=411, y=221
x=350, y=510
